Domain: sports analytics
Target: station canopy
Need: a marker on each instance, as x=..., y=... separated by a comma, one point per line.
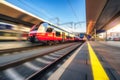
x=102, y=14
x=9, y=12
x=15, y=14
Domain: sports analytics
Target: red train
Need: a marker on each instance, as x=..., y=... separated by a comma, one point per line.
x=49, y=34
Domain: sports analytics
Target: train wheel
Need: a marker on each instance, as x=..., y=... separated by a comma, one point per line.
x=49, y=43
x=33, y=39
x=56, y=42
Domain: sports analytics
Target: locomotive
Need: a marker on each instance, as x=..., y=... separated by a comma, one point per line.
x=49, y=34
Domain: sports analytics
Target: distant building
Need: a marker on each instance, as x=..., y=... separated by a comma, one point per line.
x=113, y=36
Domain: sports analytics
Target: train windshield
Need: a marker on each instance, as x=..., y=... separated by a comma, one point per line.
x=45, y=25
x=35, y=28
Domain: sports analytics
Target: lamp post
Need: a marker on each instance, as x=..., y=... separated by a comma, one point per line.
x=95, y=33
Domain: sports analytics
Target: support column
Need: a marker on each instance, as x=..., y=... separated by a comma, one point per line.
x=95, y=33
x=106, y=36
x=19, y=32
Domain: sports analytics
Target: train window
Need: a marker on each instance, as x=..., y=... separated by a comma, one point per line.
x=45, y=25
x=49, y=30
x=35, y=28
x=58, y=33
x=67, y=37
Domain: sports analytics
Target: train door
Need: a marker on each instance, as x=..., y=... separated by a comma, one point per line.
x=63, y=36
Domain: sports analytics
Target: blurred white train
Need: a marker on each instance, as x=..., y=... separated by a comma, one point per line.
x=13, y=32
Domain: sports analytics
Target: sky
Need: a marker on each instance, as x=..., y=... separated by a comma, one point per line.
x=57, y=11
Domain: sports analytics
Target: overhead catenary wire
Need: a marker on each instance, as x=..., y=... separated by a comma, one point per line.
x=48, y=16
x=33, y=9
x=74, y=13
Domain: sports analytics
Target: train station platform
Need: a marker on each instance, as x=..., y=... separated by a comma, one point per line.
x=111, y=43
x=92, y=61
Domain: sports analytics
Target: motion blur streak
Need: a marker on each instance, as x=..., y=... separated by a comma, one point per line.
x=97, y=69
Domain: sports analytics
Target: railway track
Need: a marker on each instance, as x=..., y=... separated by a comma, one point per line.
x=30, y=67
x=12, y=50
x=5, y=52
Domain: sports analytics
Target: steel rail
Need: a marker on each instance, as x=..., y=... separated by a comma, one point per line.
x=40, y=73
x=20, y=61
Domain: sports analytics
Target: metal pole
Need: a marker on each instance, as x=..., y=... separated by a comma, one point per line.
x=95, y=33
x=19, y=32
x=106, y=36
x=58, y=20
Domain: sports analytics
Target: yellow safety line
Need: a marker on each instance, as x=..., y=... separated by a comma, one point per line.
x=97, y=69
